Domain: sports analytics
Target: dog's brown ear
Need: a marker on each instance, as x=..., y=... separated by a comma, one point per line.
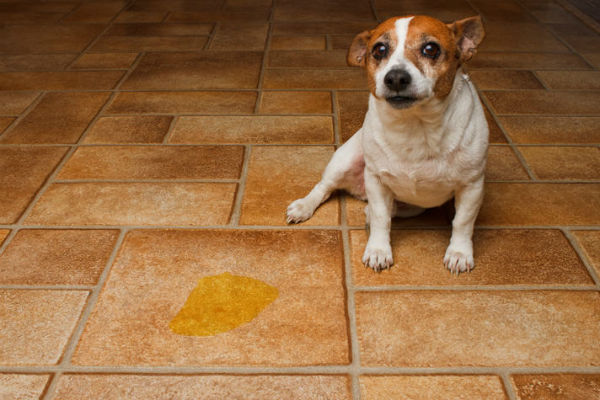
x=469, y=34
x=357, y=53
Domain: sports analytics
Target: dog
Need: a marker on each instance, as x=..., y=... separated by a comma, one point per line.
x=424, y=138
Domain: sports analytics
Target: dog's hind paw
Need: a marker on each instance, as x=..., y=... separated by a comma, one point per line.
x=458, y=261
x=299, y=211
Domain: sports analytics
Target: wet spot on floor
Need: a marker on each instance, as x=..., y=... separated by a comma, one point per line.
x=221, y=303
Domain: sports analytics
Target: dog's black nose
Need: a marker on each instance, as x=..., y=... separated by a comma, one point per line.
x=397, y=79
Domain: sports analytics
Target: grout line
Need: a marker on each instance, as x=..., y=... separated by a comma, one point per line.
x=236, y=211
x=170, y=130
x=582, y=256
x=90, y=305
x=540, y=80
x=130, y=70
x=211, y=36
x=24, y=113
x=508, y=387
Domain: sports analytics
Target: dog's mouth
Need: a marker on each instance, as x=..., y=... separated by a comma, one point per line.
x=401, y=101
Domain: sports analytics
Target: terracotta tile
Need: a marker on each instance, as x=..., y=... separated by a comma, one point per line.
x=154, y=162
x=317, y=28
x=148, y=29
x=24, y=387
x=3, y=234
x=552, y=130
x=504, y=79
x=30, y=17
x=537, y=61
x=183, y=103
x=567, y=163
x=221, y=15
x=503, y=164
x=341, y=42
x=95, y=12
x=141, y=16
x=129, y=203
x=36, y=324
x=39, y=38
x=589, y=241
x=556, y=386
x=593, y=58
x=314, y=10
x=64, y=80
x=156, y=270
x=540, y=204
x=57, y=118
x=176, y=5
x=5, y=122
x=314, y=79
x=496, y=134
x=213, y=387
x=188, y=71
x=105, y=60
x=298, y=42
x=508, y=11
x=552, y=13
x=502, y=257
x=278, y=175
x=432, y=387
x=583, y=44
x=544, y=102
x=253, y=129
x=56, y=257
x=150, y=43
x=308, y=59
x=23, y=170
x=505, y=328
x=352, y=109
x=51, y=6
x=438, y=216
x=32, y=62
x=296, y=103
x=518, y=36
x=133, y=129
x=14, y=103
x=240, y=36
x=580, y=80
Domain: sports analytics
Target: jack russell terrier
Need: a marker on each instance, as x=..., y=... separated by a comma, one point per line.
x=424, y=138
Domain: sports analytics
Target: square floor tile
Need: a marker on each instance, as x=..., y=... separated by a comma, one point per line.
x=154, y=162
x=590, y=243
x=502, y=257
x=540, y=204
x=545, y=102
x=23, y=170
x=432, y=387
x=56, y=257
x=127, y=203
x=315, y=79
x=563, y=163
x=57, y=118
x=505, y=328
x=308, y=59
x=156, y=271
x=212, y=387
x=277, y=176
x=317, y=42
x=188, y=71
x=352, y=109
x=183, y=103
x=129, y=129
x=255, y=129
x=314, y=10
x=14, y=103
x=556, y=386
x=316, y=28
x=22, y=387
x=552, y=130
x=296, y=103
x=37, y=324
x=437, y=216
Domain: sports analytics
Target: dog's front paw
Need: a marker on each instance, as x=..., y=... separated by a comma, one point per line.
x=299, y=210
x=459, y=259
x=378, y=257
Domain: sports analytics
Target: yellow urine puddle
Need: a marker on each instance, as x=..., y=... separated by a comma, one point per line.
x=221, y=303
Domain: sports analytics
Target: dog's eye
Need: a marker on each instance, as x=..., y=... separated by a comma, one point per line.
x=379, y=51
x=431, y=50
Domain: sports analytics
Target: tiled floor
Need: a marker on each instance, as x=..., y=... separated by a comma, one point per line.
x=147, y=144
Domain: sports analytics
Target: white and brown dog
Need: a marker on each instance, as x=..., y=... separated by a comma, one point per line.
x=424, y=138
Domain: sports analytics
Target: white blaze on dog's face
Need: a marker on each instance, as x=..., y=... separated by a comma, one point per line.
x=411, y=59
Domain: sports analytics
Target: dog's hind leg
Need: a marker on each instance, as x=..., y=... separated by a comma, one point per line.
x=344, y=171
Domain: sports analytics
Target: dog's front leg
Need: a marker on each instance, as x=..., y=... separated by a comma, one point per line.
x=467, y=201
x=378, y=253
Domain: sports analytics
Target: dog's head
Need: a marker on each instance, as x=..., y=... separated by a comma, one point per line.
x=411, y=59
